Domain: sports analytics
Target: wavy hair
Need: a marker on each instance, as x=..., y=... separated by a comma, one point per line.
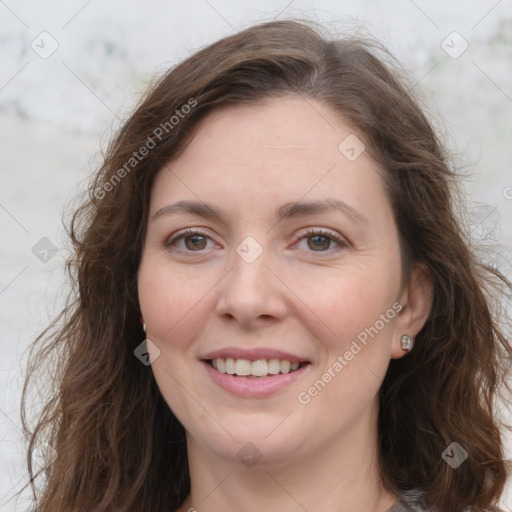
x=119, y=445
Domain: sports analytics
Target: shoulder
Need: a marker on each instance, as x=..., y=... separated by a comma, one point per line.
x=412, y=500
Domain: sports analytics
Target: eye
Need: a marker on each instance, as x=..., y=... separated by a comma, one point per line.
x=193, y=240
x=317, y=240
x=320, y=240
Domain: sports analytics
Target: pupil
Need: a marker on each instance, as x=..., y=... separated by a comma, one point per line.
x=195, y=242
x=317, y=244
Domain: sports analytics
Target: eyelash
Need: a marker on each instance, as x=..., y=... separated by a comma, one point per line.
x=329, y=234
x=311, y=232
x=184, y=234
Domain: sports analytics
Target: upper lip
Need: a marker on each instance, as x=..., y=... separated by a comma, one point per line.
x=253, y=354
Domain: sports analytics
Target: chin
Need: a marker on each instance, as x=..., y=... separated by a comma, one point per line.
x=263, y=442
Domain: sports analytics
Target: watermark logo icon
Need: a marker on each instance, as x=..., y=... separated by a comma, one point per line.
x=44, y=250
x=45, y=45
x=147, y=352
x=351, y=147
x=249, y=455
x=249, y=249
x=44, y=456
x=454, y=455
x=454, y=45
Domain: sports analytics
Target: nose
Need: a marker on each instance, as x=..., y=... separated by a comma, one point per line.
x=252, y=294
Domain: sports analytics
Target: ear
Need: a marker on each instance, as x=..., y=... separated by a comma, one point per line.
x=416, y=300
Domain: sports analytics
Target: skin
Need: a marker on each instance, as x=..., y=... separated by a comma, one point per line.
x=308, y=296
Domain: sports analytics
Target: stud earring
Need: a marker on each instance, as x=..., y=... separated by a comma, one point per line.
x=144, y=328
x=406, y=342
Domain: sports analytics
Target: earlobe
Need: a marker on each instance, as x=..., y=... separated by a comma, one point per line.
x=416, y=300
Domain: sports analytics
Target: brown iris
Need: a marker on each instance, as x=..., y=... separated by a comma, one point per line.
x=321, y=242
x=195, y=242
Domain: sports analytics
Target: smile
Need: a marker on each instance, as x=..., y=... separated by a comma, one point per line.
x=257, y=369
x=253, y=379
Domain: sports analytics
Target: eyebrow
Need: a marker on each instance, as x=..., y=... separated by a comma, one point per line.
x=287, y=211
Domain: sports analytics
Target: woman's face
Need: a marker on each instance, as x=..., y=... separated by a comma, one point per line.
x=271, y=244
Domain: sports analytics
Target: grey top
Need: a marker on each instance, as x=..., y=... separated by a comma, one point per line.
x=410, y=501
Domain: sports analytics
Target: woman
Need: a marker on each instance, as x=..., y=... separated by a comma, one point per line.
x=276, y=219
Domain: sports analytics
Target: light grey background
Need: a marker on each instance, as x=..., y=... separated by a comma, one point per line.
x=57, y=112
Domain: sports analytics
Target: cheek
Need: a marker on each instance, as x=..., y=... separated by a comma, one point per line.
x=357, y=355
x=167, y=301
x=171, y=306
x=364, y=325
x=352, y=300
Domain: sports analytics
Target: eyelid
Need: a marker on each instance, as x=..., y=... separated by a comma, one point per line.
x=333, y=235
x=183, y=233
x=341, y=241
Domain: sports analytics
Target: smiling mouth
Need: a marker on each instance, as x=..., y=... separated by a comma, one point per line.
x=258, y=369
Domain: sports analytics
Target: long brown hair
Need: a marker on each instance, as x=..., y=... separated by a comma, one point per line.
x=119, y=446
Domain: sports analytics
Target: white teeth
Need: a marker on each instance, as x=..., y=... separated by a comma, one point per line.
x=230, y=365
x=285, y=366
x=274, y=367
x=243, y=367
x=258, y=368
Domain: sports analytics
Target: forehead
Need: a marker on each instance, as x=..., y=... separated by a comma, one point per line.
x=287, y=127
x=282, y=149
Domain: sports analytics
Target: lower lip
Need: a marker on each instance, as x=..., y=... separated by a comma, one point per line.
x=254, y=388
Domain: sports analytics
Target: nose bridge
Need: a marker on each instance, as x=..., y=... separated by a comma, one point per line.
x=250, y=291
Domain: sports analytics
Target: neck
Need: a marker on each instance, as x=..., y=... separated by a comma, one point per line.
x=340, y=475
